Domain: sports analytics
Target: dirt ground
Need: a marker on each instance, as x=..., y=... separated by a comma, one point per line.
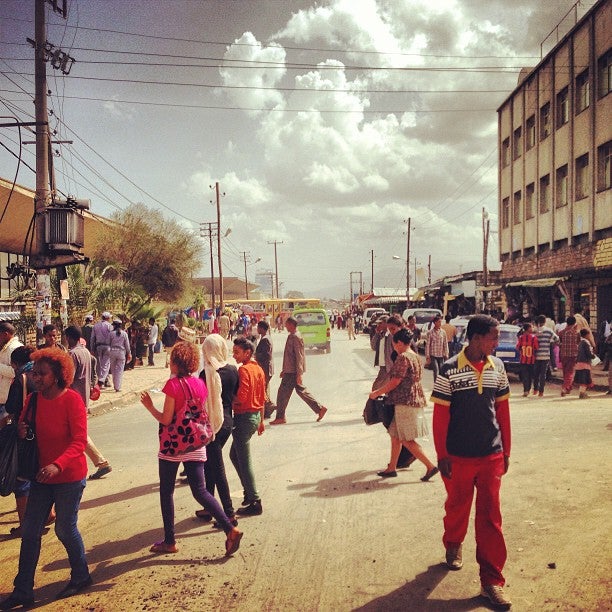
x=333, y=535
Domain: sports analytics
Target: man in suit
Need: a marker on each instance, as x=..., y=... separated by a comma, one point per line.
x=294, y=366
x=263, y=356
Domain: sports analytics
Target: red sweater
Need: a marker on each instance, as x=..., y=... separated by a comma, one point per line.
x=251, y=394
x=61, y=433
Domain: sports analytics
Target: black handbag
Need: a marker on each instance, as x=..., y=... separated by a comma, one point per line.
x=27, y=448
x=8, y=459
x=371, y=412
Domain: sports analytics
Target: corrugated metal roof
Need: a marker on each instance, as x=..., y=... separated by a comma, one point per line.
x=10, y=315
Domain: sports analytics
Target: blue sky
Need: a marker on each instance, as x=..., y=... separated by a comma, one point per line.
x=327, y=124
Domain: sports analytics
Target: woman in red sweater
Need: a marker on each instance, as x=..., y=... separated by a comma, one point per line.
x=61, y=436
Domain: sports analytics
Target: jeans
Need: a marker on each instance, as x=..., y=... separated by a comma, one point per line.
x=288, y=384
x=67, y=498
x=245, y=425
x=540, y=369
x=214, y=470
x=197, y=484
x=436, y=363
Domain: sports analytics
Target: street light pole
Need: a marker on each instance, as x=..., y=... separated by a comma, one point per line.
x=408, y=221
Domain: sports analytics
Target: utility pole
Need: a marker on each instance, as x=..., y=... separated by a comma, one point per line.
x=372, y=285
x=429, y=271
x=485, y=246
x=246, y=257
x=408, y=221
x=211, y=231
x=218, y=198
x=275, y=243
x=351, y=283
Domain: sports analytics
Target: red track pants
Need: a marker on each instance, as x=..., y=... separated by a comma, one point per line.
x=484, y=474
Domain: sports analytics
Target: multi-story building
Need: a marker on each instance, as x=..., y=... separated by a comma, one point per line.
x=555, y=177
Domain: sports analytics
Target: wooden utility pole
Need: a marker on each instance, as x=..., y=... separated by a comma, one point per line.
x=218, y=199
x=245, y=258
x=408, y=221
x=210, y=230
x=275, y=243
x=372, y=285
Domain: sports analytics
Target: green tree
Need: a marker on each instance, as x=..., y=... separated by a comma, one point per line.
x=150, y=252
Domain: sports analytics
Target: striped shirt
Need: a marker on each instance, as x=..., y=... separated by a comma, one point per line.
x=473, y=397
x=545, y=337
x=527, y=346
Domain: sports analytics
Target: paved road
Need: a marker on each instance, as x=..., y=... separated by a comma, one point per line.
x=333, y=535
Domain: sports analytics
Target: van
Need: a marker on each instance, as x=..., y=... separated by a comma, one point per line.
x=424, y=321
x=368, y=312
x=314, y=326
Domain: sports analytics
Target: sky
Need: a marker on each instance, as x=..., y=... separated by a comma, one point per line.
x=326, y=124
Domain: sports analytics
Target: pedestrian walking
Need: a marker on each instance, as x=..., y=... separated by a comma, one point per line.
x=582, y=375
x=436, y=346
x=350, y=327
x=221, y=379
x=263, y=356
x=169, y=338
x=568, y=351
x=546, y=340
x=119, y=345
x=152, y=341
x=100, y=345
x=294, y=366
x=248, y=408
x=184, y=360
x=527, y=346
x=471, y=424
x=404, y=390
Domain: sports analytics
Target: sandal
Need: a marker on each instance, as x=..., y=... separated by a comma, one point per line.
x=163, y=548
x=232, y=544
x=204, y=515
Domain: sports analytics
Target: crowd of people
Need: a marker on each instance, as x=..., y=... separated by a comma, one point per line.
x=472, y=447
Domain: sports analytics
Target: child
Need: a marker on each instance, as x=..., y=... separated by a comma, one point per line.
x=582, y=376
x=527, y=346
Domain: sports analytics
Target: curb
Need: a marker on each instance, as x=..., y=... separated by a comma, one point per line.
x=103, y=406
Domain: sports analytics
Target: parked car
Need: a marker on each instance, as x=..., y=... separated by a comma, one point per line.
x=506, y=347
x=369, y=312
x=315, y=328
x=370, y=326
x=424, y=321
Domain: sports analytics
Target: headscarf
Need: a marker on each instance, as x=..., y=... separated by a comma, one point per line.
x=214, y=350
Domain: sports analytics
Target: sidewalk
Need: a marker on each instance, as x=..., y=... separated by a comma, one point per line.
x=141, y=378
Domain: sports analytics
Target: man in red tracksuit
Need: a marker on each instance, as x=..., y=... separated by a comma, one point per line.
x=471, y=424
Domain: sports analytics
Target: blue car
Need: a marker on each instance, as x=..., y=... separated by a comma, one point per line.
x=506, y=348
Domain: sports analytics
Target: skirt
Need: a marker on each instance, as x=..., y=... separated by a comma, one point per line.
x=582, y=377
x=408, y=423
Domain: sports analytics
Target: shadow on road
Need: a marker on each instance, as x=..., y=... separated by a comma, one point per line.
x=415, y=595
x=355, y=483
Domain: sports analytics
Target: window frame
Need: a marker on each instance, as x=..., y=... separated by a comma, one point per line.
x=604, y=74
x=604, y=166
x=563, y=110
x=517, y=202
x=562, y=185
x=517, y=143
x=530, y=132
x=529, y=199
x=505, y=212
x=544, y=195
x=583, y=91
x=545, y=121
x=505, y=152
x=582, y=183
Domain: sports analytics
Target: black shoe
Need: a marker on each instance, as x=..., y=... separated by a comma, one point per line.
x=385, y=474
x=232, y=519
x=253, y=509
x=73, y=588
x=15, y=601
x=107, y=383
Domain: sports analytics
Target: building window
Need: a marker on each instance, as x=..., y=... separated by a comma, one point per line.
x=516, y=208
x=530, y=133
x=545, y=194
x=562, y=107
x=604, y=73
x=561, y=199
x=582, y=176
x=583, y=91
x=517, y=143
x=529, y=196
x=505, y=212
x=604, y=164
x=545, y=121
x=505, y=152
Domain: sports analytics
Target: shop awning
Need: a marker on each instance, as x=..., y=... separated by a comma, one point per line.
x=489, y=288
x=10, y=315
x=537, y=282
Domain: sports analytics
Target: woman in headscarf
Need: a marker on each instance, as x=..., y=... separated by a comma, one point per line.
x=222, y=381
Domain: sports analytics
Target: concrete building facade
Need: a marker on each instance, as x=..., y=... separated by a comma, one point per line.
x=555, y=177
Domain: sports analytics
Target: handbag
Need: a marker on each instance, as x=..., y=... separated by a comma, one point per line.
x=27, y=448
x=190, y=428
x=94, y=392
x=8, y=459
x=595, y=361
x=387, y=413
x=372, y=413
